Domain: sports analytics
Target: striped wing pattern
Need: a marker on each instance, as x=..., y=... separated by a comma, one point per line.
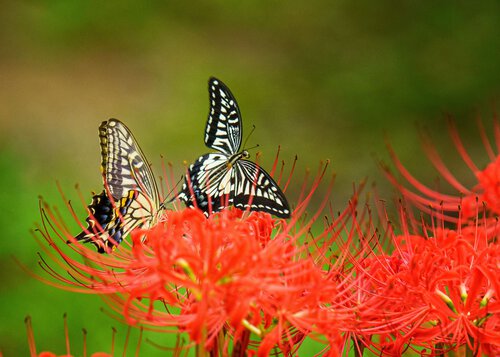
x=223, y=130
x=217, y=180
x=254, y=188
x=123, y=165
x=245, y=185
x=130, y=198
x=207, y=179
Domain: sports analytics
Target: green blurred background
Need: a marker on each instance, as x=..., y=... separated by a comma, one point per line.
x=323, y=79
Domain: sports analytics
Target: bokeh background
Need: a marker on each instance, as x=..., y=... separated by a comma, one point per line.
x=323, y=79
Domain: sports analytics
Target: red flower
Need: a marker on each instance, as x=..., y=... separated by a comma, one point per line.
x=442, y=278
x=468, y=200
x=440, y=289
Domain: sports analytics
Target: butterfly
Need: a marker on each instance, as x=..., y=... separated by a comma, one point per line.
x=130, y=198
x=216, y=180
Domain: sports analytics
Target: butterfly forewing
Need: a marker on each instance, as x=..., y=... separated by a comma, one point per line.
x=123, y=164
x=223, y=130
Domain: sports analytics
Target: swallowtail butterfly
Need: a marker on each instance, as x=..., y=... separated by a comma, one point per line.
x=216, y=180
x=130, y=198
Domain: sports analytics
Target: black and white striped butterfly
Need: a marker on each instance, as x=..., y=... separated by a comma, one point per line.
x=130, y=198
x=216, y=180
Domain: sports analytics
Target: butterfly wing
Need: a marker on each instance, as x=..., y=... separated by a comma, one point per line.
x=245, y=185
x=131, y=198
x=254, y=188
x=101, y=213
x=124, y=166
x=223, y=131
x=208, y=180
x=106, y=229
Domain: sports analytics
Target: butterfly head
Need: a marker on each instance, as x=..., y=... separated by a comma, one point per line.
x=245, y=154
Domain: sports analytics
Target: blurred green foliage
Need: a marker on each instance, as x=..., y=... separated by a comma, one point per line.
x=324, y=79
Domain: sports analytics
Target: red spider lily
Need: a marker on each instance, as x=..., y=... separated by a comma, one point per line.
x=469, y=200
x=32, y=345
x=437, y=291
x=235, y=278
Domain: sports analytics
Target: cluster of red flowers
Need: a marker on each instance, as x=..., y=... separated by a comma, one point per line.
x=244, y=283
x=436, y=291
x=442, y=281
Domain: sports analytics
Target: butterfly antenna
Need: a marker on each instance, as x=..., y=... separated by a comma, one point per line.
x=174, y=189
x=253, y=147
x=248, y=137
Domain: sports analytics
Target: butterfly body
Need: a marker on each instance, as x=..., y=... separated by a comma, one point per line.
x=216, y=180
x=130, y=198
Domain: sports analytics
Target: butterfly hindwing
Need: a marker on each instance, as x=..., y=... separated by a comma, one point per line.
x=255, y=189
x=207, y=177
x=223, y=129
x=245, y=185
x=104, y=228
